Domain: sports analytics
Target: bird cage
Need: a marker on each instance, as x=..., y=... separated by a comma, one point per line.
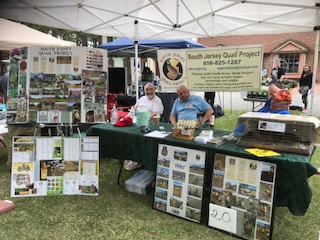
x=284, y=135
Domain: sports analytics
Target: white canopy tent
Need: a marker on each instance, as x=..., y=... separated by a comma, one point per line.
x=169, y=19
x=16, y=35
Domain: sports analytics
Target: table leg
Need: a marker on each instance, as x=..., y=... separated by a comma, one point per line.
x=120, y=170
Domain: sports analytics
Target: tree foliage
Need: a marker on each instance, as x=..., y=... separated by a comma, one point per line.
x=80, y=38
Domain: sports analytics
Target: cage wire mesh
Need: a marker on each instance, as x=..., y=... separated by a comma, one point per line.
x=296, y=138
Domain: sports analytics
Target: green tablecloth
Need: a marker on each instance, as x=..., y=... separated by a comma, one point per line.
x=292, y=189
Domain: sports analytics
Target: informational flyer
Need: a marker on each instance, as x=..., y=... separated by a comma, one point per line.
x=46, y=166
x=225, y=68
x=58, y=84
x=179, y=181
x=242, y=196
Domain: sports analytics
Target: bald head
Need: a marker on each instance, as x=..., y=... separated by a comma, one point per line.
x=149, y=90
x=183, y=93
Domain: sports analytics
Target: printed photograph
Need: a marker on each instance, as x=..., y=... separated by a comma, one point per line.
x=197, y=169
x=264, y=212
x=219, y=162
x=177, y=189
x=195, y=179
x=163, y=162
x=195, y=191
x=231, y=186
x=160, y=193
x=179, y=176
x=160, y=204
x=217, y=180
x=180, y=155
x=265, y=193
x=162, y=183
x=267, y=172
x=193, y=214
x=247, y=190
x=176, y=203
x=162, y=172
x=262, y=231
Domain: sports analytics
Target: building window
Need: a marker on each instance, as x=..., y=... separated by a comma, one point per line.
x=290, y=62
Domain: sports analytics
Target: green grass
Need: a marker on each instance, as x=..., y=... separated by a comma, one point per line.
x=117, y=214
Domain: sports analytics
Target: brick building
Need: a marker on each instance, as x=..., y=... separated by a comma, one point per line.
x=294, y=49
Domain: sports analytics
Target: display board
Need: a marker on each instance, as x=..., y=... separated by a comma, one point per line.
x=46, y=166
x=225, y=192
x=179, y=181
x=57, y=85
x=242, y=196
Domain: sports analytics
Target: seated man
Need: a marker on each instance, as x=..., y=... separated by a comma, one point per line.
x=187, y=106
x=154, y=105
x=150, y=100
x=278, y=102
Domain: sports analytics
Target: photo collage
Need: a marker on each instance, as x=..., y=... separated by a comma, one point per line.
x=242, y=194
x=63, y=85
x=179, y=181
x=47, y=166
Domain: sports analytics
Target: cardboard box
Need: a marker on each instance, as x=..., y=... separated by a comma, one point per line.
x=140, y=182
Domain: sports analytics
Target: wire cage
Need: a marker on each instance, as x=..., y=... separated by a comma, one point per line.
x=278, y=135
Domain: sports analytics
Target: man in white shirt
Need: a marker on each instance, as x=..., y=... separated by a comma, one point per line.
x=151, y=101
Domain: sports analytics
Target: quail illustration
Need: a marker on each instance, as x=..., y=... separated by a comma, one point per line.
x=172, y=69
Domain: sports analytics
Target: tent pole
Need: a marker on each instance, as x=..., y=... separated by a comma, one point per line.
x=136, y=58
x=136, y=69
x=315, y=67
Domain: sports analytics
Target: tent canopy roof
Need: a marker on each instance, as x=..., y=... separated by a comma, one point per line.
x=167, y=19
x=146, y=48
x=16, y=35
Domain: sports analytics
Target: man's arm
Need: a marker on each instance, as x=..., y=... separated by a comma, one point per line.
x=173, y=119
x=207, y=115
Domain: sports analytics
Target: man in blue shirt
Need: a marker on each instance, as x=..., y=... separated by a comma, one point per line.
x=187, y=106
x=278, y=103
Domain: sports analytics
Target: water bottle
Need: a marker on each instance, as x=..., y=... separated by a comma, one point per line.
x=114, y=115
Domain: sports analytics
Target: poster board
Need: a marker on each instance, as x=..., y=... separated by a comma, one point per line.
x=179, y=181
x=225, y=68
x=57, y=85
x=48, y=166
x=242, y=196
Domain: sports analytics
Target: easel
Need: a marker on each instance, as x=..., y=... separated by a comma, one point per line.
x=68, y=129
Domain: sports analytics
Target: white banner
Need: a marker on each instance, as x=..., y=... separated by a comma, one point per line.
x=225, y=69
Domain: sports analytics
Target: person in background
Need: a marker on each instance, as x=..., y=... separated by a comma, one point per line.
x=277, y=73
x=305, y=85
x=187, y=107
x=150, y=100
x=209, y=97
x=4, y=86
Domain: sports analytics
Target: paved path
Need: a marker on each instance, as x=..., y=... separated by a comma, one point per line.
x=234, y=101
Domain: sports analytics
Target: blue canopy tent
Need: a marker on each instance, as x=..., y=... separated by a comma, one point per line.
x=146, y=48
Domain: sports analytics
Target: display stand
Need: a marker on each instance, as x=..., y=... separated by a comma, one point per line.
x=63, y=129
x=225, y=192
x=260, y=102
